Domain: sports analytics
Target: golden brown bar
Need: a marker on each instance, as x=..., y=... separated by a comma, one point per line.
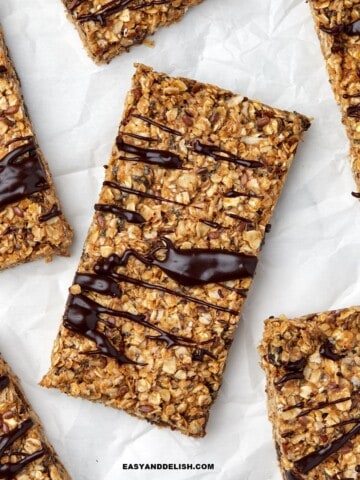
x=192, y=181
x=108, y=28
x=31, y=222
x=25, y=453
x=337, y=24
x=312, y=367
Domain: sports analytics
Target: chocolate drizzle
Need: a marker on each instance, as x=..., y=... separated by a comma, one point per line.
x=157, y=124
x=289, y=475
x=140, y=193
x=97, y=283
x=217, y=154
x=321, y=405
x=83, y=315
x=327, y=351
x=212, y=224
x=107, y=266
x=235, y=194
x=162, y=158
x=21, y=174
x=54, y=212
x=195, y=266
x=4, y=382
x=353, y=111
x=114, y=7
x=350, y=29
x=312, y=460
x=295, y=371
x=355, y=194
x=128, y=215
x=3, y=69
x=10, y=469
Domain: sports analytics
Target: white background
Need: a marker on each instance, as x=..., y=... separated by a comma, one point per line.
x=265, y=49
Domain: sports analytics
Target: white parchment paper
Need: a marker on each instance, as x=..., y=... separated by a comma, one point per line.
x=265, y=49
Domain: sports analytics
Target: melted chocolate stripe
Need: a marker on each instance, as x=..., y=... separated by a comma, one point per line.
x=327, y=351
x=21, y=174
x=9, y=470
x=3, y=69
x=162, y=158
x=194, y=266
x=235, y=194
x=312, y=460
x=350, y=29
x=140, y=193
x=83, y=315
x=97, y=283
x=212, y=224
x=322, y=405
x=54, y=212
x=128, y=215
x=74, y=4
x=102, y=267
x=140, y=137
x=4, y=382
x=290, y=475
x=217, y=154
x=8, y=439
x=156, y=124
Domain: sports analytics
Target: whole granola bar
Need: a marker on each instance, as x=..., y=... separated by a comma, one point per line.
x=337, y=23
x=188, y=194
x=312, y=367
x=110, y=27
x=31, y=222
x=25, y=453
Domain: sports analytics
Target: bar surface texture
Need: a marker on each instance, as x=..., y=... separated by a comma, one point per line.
x=108, y=28
x=312, y=367
x=31, y=222
x=337, y=23
x=192, y=181
x=25, y=453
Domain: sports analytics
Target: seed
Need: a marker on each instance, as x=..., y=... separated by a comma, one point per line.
x=18, y=211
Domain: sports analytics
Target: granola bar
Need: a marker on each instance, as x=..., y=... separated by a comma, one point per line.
x=25, y=453
x=313, y=387
x=192, y=181
x=337, y=23
x=31, y=222
x=110, y=27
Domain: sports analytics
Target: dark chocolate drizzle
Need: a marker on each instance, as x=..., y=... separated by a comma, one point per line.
x=295, y=371
x=235, y=194
x=107, y=266
x=322, y=405
x=128, y=215
x=156, y=124
x=74, y=4
x=162, y=158
x=140, y=193
x=83, y=315
x=140, y=137
x=195, y=266
x=53, y=212
x=114, y=7
x=354, y=95
x=4, y=382
x=3, y=69
x=290, y=475
x=217, y=154
x=212, y=224
x=357, y=469
x=355, y=194
x=353, y=111
x=327, y=351
x=10, y=469
x=97, y=283
x=21, y=174
x=350, y=29
x=312, y=460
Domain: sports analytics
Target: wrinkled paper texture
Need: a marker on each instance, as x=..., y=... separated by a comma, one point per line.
x=264, y=49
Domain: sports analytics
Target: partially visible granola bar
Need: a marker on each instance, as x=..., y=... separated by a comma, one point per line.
x=25, y=453
x=31, y=222
x=337, y=24
x=110, y=27
x=312, y=367
x=188, y=194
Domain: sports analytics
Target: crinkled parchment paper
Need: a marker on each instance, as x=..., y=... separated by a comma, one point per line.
x=265, y=49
